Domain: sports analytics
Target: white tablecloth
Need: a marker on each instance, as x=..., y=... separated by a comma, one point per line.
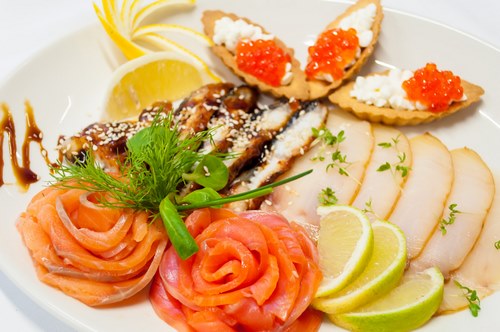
x=26, y=26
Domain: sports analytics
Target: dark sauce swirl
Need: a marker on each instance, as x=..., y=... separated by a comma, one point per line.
x=23, y=174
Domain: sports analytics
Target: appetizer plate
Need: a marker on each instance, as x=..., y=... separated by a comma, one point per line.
x=66, y=82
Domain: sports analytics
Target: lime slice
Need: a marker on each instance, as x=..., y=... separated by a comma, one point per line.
x=150, y=78
x=383, y=272
x=405, y=308
x=345, y=246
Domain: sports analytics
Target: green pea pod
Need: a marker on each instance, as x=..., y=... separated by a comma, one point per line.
x=177, y=231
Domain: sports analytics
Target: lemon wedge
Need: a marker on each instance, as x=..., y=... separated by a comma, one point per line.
x=165, y=76
x=383, y=272
x=406, y=307
x=345, y=245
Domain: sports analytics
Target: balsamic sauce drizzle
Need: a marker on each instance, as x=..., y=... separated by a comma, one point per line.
x=23, y=174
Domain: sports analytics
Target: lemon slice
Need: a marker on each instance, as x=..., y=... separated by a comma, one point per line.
x=405, y=308
x=383, y=272
x=153, y=77
x=345, y=246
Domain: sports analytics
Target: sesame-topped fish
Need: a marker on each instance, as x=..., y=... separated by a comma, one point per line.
x=294, y=141
x=108, y=140
x=260, y=128
x=230, y=117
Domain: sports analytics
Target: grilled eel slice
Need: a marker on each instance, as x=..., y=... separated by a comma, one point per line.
x=108, y=140
x=230, y=117
x=258, y=130
x=295, y=139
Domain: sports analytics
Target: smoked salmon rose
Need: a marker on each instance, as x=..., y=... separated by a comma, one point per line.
x=97, y=255
x=254, y=272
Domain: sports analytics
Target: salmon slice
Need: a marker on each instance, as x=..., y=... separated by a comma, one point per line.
x=424, y=195
x=298, y=200
x=382, y=186
x=480, y=270
x=95, y=267
x=254, y=271
x=472, y=193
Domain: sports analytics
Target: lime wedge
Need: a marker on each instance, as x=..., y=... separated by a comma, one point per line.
x=345, y=246
x=383, y=272
x=406, y=307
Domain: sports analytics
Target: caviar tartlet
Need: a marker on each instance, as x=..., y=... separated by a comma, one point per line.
x=401, y=97
x=343, y=47
x=259, y=58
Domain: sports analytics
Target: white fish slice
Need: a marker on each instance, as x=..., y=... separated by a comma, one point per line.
x=298, y=200
x=472, y=193
x=424, y=195
x=381, y=188
x=481, y=269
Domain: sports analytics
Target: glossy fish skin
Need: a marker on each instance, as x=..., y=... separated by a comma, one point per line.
x=257, y=131
x=254, y=272
x=108, y=140
x=195, y=111
x=233, y=112
x=293, y=142
x=97, y=255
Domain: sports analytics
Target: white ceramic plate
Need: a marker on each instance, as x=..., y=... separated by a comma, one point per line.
x=66, y=83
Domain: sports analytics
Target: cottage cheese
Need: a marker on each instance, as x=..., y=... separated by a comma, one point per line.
x=228, y=32
x=362, y=21
x=387, y=91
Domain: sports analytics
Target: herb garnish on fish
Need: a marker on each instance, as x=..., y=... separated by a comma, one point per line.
x=327, y=197
x=451, y=218
x=396, y=167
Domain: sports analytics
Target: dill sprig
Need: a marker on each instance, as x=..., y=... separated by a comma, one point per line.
x=156, y=160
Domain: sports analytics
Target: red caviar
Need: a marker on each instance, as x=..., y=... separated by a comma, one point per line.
x=434, y=88
x=334, y=50
x=263, y=59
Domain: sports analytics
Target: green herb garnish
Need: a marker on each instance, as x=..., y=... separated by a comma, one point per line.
x=497, y=245
x=338, y=159
x=368, y=207
x=398, y=166
x=327, y=197
x=158, y=162
x=450, y=220
x=472, y=298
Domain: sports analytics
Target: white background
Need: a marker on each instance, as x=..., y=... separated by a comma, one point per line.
x=27, y=26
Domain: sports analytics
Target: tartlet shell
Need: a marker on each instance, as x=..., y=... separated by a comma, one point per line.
x=390, y=116
x=320, y=88
x=298, y=88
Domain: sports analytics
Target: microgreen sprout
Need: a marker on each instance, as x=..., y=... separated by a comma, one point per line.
x=472, y=298
x=338, y=160
x=327, y=197
x=398, y=166
x=450, y=220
